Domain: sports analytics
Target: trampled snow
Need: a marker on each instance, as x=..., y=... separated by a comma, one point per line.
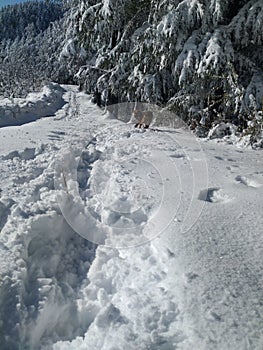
x=181, y=221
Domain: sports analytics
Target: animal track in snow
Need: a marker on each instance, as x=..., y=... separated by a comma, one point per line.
x=247, y=182
x=56, y=135
x=26, y=154
x=178, y=156
x=190, y=276
x=219, y=158
x=213, y=195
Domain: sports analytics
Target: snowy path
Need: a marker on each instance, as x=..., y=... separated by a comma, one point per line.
x=198, y=285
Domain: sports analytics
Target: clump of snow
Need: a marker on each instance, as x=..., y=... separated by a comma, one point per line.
x=222, y=129
x=37, y=105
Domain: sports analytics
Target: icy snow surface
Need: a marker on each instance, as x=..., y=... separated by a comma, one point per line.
x=181, y=265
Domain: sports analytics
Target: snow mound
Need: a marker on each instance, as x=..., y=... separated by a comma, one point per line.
x=37, y=105
x=221, y=130
x=213, y=195
x=247, y=181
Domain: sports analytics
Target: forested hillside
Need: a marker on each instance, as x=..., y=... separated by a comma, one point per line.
x=203, y=59
x=32, y=37
x=28, y=18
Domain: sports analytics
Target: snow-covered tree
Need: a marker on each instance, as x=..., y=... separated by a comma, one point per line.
x=199, y=57
x=31, y=43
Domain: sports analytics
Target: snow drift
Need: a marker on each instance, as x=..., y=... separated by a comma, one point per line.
x=36, y=105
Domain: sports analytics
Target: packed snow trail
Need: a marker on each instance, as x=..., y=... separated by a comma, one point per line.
x=194, y=281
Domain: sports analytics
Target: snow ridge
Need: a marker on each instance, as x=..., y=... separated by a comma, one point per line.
x=37, y=105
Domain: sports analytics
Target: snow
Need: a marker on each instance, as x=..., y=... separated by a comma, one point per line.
x=114, y=237
x=37, y=105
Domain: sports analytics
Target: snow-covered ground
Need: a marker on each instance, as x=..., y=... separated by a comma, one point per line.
x=180, y=220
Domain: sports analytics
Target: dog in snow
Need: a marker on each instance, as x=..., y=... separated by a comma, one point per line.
x=144, y=118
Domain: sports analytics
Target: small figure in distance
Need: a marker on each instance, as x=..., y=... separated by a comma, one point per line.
x=144, y=118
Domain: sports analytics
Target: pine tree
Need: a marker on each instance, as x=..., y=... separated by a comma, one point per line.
x=199, y=58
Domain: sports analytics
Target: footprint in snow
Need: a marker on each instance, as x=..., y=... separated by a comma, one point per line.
x=247, y=182
x=213, y=195
x=178, y=156
x=26, y=154
x=190, y=276
x=56, y=135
